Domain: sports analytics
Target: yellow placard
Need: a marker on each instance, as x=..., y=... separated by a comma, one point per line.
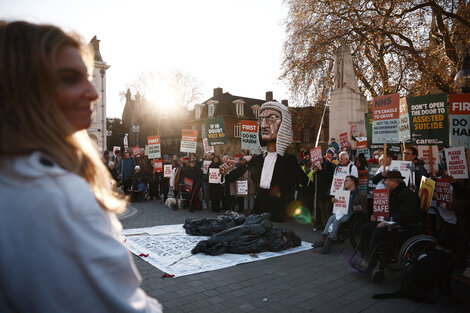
x=426, y=190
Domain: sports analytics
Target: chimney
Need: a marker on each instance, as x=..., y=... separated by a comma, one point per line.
x=95, y=43
x=285, y=102
x=218, y=91
x=269, y=96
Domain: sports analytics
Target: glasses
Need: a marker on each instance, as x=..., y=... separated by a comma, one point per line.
x=269, y=119
x=407, y=153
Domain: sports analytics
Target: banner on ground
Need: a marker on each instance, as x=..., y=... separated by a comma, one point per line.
x=167, y=170
x=404, y=168
x=249, y=133
x=205, y=166
x=188, y=140
x=404, y=129
x=459, y=114
x=424, y=153
x=426, y=190
x=456, y=162
x=214, y=176
x=342, y=205
x=157, y=166
x=442, y=191
x=429, y=120
x=153, y=143
x=207, y=148
x=316, y=156
x=216, y=131
x=343, y=141
x=242, y=187
x=386, y=119
x=380, y=204
x=337, y=184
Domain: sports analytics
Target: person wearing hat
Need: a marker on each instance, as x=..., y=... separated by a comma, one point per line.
x=378, y=179
x=403, y=209
x=113, y=170
x=334, y=145
x=275, y=173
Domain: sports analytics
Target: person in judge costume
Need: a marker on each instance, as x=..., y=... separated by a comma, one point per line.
x=275, y=173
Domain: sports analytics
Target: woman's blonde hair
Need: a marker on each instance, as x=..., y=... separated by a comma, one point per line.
x=30, y=118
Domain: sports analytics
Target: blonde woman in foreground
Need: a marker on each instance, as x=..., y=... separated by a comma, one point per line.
x=60, y=248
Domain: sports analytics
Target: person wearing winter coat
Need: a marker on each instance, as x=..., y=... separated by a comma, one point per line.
x=125, y=170
x=417, y=167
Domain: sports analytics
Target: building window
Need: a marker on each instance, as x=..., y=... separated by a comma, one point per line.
x=306, y=135
x=198, y=111
x=239, y=107
x=255, y=111
x=210, y=110
x=194, y=127
x=203, y=131
x=237, y=130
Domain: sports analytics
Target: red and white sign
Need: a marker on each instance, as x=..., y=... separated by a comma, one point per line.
x=158, y=166
x=456, y=162
x=136, y=151
x=442, y=193
x=153, y=144
x=353, y=129
x=167, y=170
x=337, y=184
x=343, y=141
x=316, y=156
x=116, y=148
x=249, y=126
x=188, y=140
x=361, y=144
x=214, y=176
x=205, y=165
x=342, y=205
x=207, y=148
x=380, y=204
x=424, y=154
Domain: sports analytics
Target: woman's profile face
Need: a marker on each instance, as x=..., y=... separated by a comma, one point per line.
x=74, y=92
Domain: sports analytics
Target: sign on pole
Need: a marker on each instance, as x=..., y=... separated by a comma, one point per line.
x=386, y=119
x=207, y=148
x=456, y=162
x=153, y=143
x=460, y=119
x=380, y=204
x=116, y=148
x=188, y=140
x=126, y=142
x=216, y=131
x=343, y=141
x=404, y=130
x=424, y=153
x=429, y=120
x=316, y=156
x=249, y=133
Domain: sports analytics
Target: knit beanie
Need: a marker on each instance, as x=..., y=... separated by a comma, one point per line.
x=284, y=135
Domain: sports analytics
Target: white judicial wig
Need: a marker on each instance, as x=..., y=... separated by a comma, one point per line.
x=284, y=135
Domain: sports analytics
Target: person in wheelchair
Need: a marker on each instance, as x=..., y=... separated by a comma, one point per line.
x=138, y=182
x=357, y=206
x=403, y=209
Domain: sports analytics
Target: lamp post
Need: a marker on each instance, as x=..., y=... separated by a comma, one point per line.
x=462, y=79
x=135, y=130
x=109, y=133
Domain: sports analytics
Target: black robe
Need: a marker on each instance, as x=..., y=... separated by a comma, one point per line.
x=287, y=174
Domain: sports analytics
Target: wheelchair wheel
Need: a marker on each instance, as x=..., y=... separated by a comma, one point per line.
x=413, y=248
x=354, y=231
x=343, y=232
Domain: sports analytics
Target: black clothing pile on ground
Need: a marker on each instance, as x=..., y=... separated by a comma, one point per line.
x=211, y=226
x=255, y=235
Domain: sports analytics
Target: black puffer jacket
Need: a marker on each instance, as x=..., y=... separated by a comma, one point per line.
x=404, y=206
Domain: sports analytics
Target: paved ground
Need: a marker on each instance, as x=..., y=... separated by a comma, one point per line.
x=307, y=281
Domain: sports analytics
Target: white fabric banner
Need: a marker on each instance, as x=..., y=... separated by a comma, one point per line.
x=169, y=249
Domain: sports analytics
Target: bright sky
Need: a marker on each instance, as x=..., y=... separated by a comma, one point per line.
x=236, y=45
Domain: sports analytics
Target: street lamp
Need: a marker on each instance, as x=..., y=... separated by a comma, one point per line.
x=135, y=130
x=462, y=79
x=109, y=133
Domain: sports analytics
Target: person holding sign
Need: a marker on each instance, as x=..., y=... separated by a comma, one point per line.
x=404, y=209
x=417, y=167
x=357, y=205
x=56, y=204
x=216, y=190
x=275, y=173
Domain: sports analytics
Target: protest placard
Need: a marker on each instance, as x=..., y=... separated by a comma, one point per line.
x=363, y=177
x=216, y=131
x=404, y=129
x=425, y=192
x=316, y=156
x=242, y=187
x=167, y=170
x=153, y=143
x=353, y=129
x=459, y=114
x=249, y=136
x=207, y=148
x=205, y=166
x=116, y=148
x=337, y=184
x=361, y=144
x=157, y=166
x=429, y=120
x=373, y=169
x=342, y=205
x=136, y=151
x=188, y=140
x=380, y=204
x=404, y=168
x=424, y=153
x=125, y=142
x=343, y=141
x=386, y=119
x=442, y=191
x=456, y=162
x=214, y=176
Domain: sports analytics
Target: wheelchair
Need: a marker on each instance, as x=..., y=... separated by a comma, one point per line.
x=139, y=191
x=350, y=229
x=400, y=249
